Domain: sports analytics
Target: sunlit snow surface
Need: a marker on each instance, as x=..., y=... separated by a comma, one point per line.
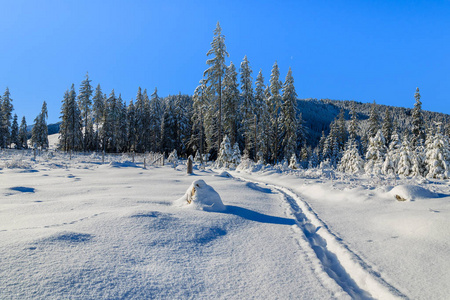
x=77, y=228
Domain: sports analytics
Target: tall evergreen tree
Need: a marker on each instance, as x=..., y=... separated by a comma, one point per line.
x=275, y=101
x=289, y=121
x=198, y=118
x=214, y=75
x=5, y=125
x=156, y=112
x=23, y=139
x=230, y=95
x=39, y=133
x=247, y=106
x=418, y=123
x=353, y=127
x=85, y=103
x=71, y=137
x=15, y=132
x=260, y=127
x=98, y=109
x=374, y=121
x=387, y=127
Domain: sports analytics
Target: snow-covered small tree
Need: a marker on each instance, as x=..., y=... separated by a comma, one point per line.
x=390, y=164
x=407, y=162
x=225, y=156
x=374, y=121
x=375, y=155
x=173, y=158
x=351, y=162
x=438, y=156
x=236, y=157
x=293, y=163
x=418, y=123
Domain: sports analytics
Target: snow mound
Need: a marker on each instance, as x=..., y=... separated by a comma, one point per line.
x=224, y=174
x=410, y=193
x=201, y=196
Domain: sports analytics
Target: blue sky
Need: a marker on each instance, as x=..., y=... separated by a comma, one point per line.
x=345, y=50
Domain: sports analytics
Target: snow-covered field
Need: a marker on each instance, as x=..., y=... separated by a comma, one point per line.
x=81, y=229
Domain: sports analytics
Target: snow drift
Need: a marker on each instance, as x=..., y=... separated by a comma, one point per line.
x=411, y=193
x=201, y=196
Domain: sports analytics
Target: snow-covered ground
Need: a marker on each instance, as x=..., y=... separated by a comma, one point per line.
x=86, y=230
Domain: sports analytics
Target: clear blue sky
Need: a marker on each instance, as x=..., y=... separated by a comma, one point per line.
x=348, y=50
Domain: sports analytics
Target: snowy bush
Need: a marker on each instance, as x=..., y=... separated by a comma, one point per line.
x=375, y=155
x=351, y=161
x=437, y=156
x=293, y=164
x=173, y=158
x=201, y=196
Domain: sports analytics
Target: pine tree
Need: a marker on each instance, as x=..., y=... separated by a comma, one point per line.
x=236, y=157
x=438, y=155
x=387, y=127
x=353, y=127
x=23, y=139
x=39, y=133
x=274, y=107
x=289, y=124
x=85, y=103
x=247, y=106
x=230, y=95
x=214, y=75
x=98, y=110
x=259, y=127
x=156, y=113
x=5, y=122
x=199, y=107
x=70, y=130
x=15, y=132
x=131, y=119
x=375, y=155
x=418, y=122
x=391, y=161
x=225, y=156
x=374, y=121
x=351, y=162
x=407, y=165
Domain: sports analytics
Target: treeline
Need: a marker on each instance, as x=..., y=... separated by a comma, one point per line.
x=93, y=121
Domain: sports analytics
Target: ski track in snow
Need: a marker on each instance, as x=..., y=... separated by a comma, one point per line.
x=340, y=263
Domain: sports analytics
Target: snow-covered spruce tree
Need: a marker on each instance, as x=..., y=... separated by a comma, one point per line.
x=214, y=75
x=230, y=95
x=351, y=162
x=390, y=165
x=375, y=155
x=247, y=108
x=15, y=132
x=139, y=123
x=39, y=133
x=320, y=147
x=236, y=158
x=156, y=113
x=438, y=155
x=23, y=139
x=418, y=123
x=98, y=108
x=225, y=156
x=331, y=151
x=85, y=103
x=289, y=121
x=387, y=126
x=199, y=107
x=266, y=136
x=341, y=131
x=71, y=136
x=293, y=163
x=353, y=126
x=5, y=121
x=407, y=163
x=301, y=132
x=262, y=117
x=274, y=107
x=146, y=123
x=374, y=121
x=131, y=124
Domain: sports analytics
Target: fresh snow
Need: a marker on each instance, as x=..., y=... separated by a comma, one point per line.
x=72, y=227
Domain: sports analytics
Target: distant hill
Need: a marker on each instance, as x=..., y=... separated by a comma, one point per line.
x=318, y=114
x=52, y=128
